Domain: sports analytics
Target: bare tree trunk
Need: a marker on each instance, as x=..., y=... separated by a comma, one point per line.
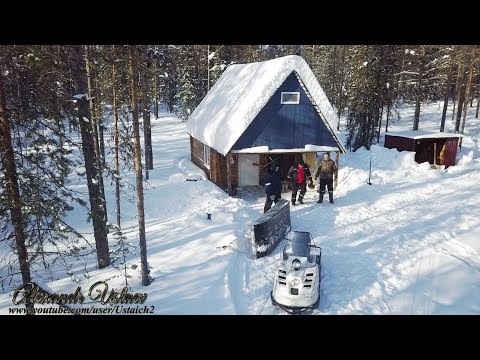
x=388, y=117
x=115, y=135
x=98, y=102
x=447, y=90
x=147, y=126
x=334, y=75
x=389, y=84
x=416, y=119
x=155, y=83
x=93, y=104
x=208, y=68
x=146, y=280
x=478, y=100
x=13, y=193
x=467, y=91
x=143, y=99
x=101, y=140
x=57, y=113
x=478, y=96
x=456, y=94
x=379, y=125
x=97, y=205
x=461, y=96
x=340, y=93
x=401, y=77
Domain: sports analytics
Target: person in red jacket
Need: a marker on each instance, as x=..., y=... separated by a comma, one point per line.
x=298, y=174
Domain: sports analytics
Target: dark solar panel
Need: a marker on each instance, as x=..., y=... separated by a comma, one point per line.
x=300, y=242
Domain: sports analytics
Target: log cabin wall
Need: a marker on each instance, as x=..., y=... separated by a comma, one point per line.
x=196, y=155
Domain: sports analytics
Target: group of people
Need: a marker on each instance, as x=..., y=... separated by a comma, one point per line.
x=299, y=174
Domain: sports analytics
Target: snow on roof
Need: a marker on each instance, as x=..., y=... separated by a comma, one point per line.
x=265, y=149
x=422, y=134
x=253, y=150
x=318, y=148
x=239, y=95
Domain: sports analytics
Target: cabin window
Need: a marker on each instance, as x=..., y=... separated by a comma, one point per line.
x=206, y=155
x=290, y=98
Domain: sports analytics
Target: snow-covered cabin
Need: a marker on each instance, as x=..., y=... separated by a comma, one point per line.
x=438, y=148
x=257, y=112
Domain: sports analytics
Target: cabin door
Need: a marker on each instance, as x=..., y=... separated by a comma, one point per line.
x=248, y=169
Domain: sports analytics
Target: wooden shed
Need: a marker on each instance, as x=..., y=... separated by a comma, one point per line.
x=257, y=112
x=438, y=148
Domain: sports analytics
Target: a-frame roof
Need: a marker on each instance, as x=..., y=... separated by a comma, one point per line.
x=242, y=91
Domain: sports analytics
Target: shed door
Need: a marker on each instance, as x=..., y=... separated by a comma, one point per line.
x=450, y=155
x=248, y=169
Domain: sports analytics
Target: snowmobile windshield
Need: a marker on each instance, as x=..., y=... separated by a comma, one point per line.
x=300, y=244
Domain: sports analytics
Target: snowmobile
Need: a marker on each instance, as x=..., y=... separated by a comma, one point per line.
x=297, y=281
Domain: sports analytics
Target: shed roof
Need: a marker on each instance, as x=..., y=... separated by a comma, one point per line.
x=422, y=134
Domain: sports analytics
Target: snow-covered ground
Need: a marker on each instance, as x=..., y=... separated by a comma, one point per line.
x=409, y=243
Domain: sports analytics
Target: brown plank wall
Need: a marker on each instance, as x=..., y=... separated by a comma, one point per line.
x=400, y=143
x=423, y=148
x=219, y=170
x=196, y=155
x=451, y=146
x=218, y=165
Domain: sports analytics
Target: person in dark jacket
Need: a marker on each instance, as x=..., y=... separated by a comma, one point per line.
x=298, y=174
x=273, y=188
x=275, y=166
x=327, y=169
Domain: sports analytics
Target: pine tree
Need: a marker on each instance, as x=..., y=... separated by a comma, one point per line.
x=116, y=136
x=451, y=57
x=215, y=63
x=146, y=280
x=186, y=94
x=472, y=52
x=38, y=76
x=168, y=58
x=368, y=67
x=96, y=123
x=462, y=82
x=341, y=91
x=145, y=106
x=97, y=205
x=12, y=190
x=419, y=91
